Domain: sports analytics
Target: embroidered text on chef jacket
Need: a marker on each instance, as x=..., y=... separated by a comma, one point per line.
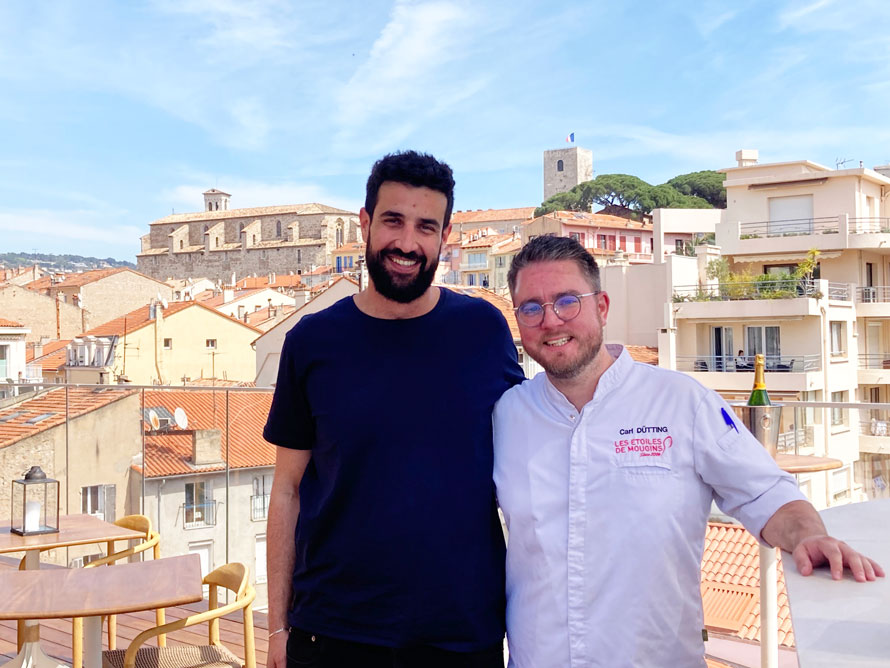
x=607, y=509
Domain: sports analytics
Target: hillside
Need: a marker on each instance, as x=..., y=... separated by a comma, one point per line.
x=66, y=263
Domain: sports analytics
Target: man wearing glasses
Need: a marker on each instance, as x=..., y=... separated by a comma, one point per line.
x=605, y=471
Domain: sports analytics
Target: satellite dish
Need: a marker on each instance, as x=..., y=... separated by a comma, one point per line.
x=154, y=420
x=181, y=419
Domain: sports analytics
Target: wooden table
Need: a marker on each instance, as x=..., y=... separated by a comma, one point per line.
x=73, y=530
x=93, y=592
x=845, y=623
x=807, y=463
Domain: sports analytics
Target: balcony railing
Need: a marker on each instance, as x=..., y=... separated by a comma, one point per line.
x=259, y=507
x=872, y=225
x=198, y=515
x=839, y=291
x=780, y=288
x=474, y=266
x=774, y=363
x=873, y=293
x=792, y=227
x=874, y=360
x=874, y=427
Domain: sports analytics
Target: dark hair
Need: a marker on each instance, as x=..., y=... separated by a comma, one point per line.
x=420, y=170
x=551, y=248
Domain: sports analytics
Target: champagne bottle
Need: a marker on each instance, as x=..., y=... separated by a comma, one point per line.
x=759, y=397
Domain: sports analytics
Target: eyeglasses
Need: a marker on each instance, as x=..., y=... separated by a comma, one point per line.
x=567, y=307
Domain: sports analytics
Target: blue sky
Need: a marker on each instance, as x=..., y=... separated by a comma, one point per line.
x=112, y=114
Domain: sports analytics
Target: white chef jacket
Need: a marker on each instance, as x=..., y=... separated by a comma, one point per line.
x=607, y=510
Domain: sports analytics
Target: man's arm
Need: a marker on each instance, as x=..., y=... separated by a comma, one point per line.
x=797, y=528
x=284, y=508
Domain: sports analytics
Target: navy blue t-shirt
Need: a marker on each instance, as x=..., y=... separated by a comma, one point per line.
x=398, y=541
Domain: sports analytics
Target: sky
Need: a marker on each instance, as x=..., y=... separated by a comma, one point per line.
x=113, y=114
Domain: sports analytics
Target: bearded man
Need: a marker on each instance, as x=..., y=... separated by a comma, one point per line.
x=605, y=471
x=384, y=545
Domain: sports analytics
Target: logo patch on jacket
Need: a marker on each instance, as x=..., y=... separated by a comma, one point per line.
x=643, y=441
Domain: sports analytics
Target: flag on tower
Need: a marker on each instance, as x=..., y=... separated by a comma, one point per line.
x=571, y=138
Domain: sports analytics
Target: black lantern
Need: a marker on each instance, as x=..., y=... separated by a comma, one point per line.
x=35, y=504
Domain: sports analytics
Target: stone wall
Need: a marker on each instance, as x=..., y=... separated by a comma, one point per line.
x=38, y=312
x=577, y=168
x=118, y=294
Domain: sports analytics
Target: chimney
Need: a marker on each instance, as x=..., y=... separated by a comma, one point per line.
x=228, y=295
x=747, y=157
x=206, y=447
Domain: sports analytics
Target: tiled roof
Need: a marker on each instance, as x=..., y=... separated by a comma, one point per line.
x=299, y=209
x=54, y=357
x=72, y=280
x=257, y=318
x=170, y=454
x=214, y=191
x=644, y=354
x=80, y=401
x=351, y=247
x=511, y=247
x=502, y=304
x=219, y=299
x=591, y=220
x=9, y=323
x=282, y=281
x=732, y=557
x=48, y=348
x=486, y=241
x=324, y=269
x=140, y=318
x=492, y=215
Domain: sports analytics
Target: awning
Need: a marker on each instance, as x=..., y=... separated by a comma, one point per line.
x=784, y=257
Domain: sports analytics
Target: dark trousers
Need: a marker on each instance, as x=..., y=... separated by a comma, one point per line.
x=307, y=650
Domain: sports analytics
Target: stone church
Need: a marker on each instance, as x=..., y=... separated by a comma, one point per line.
x=219, y=241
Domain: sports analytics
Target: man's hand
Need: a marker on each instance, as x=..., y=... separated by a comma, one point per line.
x=276, y=656
x=797, y=528
x=815, y=551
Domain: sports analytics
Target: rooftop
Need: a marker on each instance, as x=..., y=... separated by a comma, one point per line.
x=592, y=220
x=298, y=209
x=9, y=323
x=491, y=215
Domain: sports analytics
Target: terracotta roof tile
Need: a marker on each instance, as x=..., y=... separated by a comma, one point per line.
x=492, y=215
x=644, y=354
x=282, y=281
x=502, y=304
x=486, y=241
x=9, y=323
x=170, y=454
x=592, y=220
x=80, y=402
x=351, y=247
x=324, y=269
x=48, y=348
x=732, y=557
x=78, y=279
x=510, y=247
x=54, y=357
x=218, y=299
x=140, y=318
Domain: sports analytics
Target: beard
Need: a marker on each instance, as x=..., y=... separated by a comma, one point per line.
x=566, y=369
x=401, y=289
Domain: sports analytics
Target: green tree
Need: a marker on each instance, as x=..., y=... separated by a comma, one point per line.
x=707, y=185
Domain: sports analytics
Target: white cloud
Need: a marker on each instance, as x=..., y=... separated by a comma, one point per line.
x=407, y=77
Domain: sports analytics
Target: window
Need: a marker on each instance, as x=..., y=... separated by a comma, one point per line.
x=253, y=240
x=559, y=166
x=259, y=501
x=168, y=344
x=98, y=501
x=791, y=215
x=210, y=344
x=840, y=484
x=499, y=261
x=576, y=236
x=260, y=558
x=679, y=246
x=180, y=244
x=4, y=356
x=838, y=415
x=471, y=279
x=764, y=340
x=217, y=242
x=277, y=228
x=838, y=339
x=199, y=510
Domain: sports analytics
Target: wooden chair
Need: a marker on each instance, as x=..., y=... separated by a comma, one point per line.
x=233, y=577
x=152, y=541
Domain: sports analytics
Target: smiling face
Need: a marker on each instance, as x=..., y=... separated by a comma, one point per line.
x=564, y=348
x=404, y=240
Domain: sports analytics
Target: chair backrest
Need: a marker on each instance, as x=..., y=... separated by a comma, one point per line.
x=236, y=578
x=135, y=523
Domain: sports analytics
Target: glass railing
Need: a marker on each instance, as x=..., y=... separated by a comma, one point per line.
x=194, y=461
x=791, y=227
x=727, y=363
x=778, y=288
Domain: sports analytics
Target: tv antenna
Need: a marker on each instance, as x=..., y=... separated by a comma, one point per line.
x=838, y=163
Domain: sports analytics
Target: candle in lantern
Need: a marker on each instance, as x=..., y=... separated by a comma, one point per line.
x=32, y=516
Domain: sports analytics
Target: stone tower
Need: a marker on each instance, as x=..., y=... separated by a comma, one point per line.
x=216, y=200
x=564, y=168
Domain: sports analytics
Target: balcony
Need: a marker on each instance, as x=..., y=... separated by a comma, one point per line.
x=474, y=266
x=874, y=436
x=788, y=373
x=762, y=299
x=199, y=515
x=873, y=369
x=795, y=227
x=259, y=507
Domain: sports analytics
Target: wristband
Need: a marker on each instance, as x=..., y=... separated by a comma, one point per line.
x=281, y=630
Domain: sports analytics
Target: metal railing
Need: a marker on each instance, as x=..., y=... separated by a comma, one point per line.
x=778, y=288
x=874, y=427
x=872, y=225
x=874, y=360
x=839, y=291
x=730, y=363
x=198, y=515
x=791, y=227
x=873, y=293
x=259, y=507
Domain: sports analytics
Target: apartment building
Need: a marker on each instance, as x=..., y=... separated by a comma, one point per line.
x=207, y=480
x=478, y=259
x=240, y=303
x=804, y=260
